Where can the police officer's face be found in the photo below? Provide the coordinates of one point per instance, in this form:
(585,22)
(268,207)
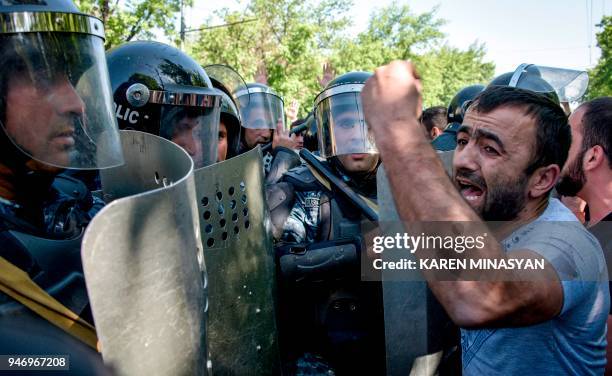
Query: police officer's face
(187,134)
(299,140)
(41,117)
(349,135)
(254,137)
(257,118)
(222,146)
(359,162)
(492,154)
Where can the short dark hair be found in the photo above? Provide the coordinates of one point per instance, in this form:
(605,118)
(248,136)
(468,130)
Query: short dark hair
(434,117)
(597,125)
(553,133)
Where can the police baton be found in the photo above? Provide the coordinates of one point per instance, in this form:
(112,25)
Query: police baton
(295,130)
(339,184)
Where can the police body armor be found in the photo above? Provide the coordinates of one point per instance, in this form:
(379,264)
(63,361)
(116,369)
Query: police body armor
(144,265)
(324,297)
(52,260)
(235,231)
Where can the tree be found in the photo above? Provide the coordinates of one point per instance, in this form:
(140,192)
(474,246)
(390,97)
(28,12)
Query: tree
(394,32)
(131,19)
(446,70)
(601,76)
(290,40)
(284,46)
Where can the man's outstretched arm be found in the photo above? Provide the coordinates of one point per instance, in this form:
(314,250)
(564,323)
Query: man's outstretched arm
(423,192)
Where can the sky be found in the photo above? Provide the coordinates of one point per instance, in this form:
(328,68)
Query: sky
(545,32)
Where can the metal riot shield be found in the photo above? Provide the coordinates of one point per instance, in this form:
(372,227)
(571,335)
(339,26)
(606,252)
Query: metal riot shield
(144,265)
(417,330)
(236,235)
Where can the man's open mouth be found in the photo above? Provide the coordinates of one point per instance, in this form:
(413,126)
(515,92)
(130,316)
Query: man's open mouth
(470,190)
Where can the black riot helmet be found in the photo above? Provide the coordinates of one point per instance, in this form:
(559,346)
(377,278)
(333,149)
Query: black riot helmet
(558,84)
(459,103)
(55,101)
(158,89)
(338,112)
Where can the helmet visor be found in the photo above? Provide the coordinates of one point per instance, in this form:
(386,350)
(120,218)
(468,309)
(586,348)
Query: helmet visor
(569,85)
(195,129)
(228,77)
(341,126)
(263,111)
(56,103)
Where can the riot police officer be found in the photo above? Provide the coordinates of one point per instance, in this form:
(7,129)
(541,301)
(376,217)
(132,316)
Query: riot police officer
(158,89)
(227,80)
(329,311)
(55,114)
(263,122)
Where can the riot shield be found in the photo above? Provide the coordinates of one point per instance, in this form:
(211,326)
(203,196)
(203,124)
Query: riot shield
(417,330)
(235,232)
(144,265)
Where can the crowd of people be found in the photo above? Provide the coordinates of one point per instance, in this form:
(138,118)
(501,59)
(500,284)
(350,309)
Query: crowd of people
(518,158)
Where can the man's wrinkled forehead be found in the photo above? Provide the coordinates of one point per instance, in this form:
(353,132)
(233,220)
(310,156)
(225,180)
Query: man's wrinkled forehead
(507,125)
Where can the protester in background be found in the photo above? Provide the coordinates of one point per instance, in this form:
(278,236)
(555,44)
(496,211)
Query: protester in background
(587,175)
(456,108)
(434,121)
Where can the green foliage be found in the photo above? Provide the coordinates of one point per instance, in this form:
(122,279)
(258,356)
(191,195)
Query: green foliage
(601,76)
(285,43)
(446,70)
(396,33)
(284,47)
(131,19)
(393,33)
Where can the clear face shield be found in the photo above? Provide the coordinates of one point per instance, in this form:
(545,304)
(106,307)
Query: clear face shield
(569,85)
(231,80)
(262,109)
(190,118)
(228,81)
(341,124)
(56,102)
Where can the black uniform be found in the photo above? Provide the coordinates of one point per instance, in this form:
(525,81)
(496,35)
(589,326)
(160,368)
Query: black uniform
(43,238)
(326,309)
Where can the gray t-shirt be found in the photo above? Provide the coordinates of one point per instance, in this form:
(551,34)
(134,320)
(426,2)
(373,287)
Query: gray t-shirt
(572,343)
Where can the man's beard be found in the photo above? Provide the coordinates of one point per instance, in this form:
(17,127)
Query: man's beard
(503,200)
(506,201)
(574,180)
